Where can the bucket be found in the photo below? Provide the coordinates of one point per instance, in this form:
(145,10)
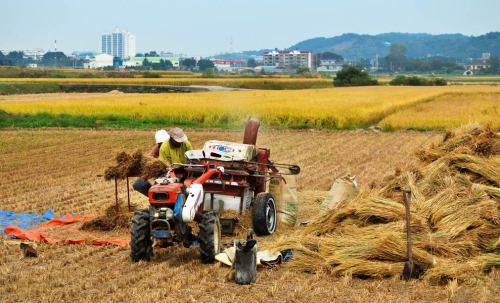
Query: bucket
(245,261)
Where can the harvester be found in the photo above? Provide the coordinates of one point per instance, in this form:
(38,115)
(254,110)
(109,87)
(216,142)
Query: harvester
(220,176)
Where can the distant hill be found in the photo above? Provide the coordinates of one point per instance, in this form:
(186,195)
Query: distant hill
(355,46)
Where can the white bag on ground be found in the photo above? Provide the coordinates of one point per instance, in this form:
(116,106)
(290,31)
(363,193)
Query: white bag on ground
(344,188)
(264,258)
(285,196)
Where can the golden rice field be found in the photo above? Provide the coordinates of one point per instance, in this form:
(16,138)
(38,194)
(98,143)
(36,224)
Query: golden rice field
(56,169)
(448,110)
(177,80)
(335,108)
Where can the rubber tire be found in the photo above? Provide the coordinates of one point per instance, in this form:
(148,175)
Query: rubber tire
(210,236)
(264,215)
(141,248)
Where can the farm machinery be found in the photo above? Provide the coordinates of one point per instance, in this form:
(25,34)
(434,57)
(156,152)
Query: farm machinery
(220,176)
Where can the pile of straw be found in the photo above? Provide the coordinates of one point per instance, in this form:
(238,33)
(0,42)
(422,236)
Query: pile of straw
(110,220)
(135,165)
(455,217)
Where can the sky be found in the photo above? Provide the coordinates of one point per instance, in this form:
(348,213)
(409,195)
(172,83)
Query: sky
(211,27)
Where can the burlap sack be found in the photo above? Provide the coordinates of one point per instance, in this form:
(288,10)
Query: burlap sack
(344,188)
(285,196)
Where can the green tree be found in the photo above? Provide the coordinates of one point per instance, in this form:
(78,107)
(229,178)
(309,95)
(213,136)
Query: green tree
(251,62)
(436,64)
(145,62)
(353,76)
(162,65)
(304,71)
(396,59)
(151,54)
(331,56)
(327,56)
(56,59)
(424,67)
(117,61)
(204,64)
(168,64)
(494,68)
(364,63)
(188,63)
(417,81)
(17,57)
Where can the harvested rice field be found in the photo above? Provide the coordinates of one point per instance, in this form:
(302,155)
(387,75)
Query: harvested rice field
(352,254)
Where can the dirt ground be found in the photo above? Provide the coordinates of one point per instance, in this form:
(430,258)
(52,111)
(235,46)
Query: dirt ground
(57,169)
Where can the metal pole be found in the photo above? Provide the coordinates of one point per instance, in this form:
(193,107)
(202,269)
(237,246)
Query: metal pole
(128,195)
(407,198)
(116,196)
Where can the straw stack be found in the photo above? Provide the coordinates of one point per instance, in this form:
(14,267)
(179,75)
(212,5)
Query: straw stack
(135,165)
(455,217)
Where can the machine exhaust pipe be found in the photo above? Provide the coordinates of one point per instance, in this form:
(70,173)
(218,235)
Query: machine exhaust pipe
(251,130)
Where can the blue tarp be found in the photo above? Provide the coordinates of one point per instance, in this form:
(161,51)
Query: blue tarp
(23,221)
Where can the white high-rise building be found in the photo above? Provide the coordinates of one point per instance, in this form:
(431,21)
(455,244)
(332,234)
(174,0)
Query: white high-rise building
(119,44)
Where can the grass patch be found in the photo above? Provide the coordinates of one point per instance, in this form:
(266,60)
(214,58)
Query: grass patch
(8,120)
(29,88)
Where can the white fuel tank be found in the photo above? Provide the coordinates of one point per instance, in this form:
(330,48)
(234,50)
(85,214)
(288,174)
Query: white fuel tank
(242,151)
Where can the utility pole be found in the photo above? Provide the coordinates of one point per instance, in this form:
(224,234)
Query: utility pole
(55,53)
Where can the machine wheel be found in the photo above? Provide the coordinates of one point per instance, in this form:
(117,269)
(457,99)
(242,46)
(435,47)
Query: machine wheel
(209,237)
(264,214)
(141,248)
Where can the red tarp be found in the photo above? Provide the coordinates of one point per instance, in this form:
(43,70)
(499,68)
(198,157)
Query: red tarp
(38,236)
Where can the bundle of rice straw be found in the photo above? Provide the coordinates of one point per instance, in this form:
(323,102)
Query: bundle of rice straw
(135,165)
(455,217)
(153,169)
(110,220)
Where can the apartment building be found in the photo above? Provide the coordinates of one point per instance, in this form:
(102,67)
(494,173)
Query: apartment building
(289,59)
(119,44)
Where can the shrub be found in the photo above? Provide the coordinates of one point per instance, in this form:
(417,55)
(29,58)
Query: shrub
(353,76)
(59,75)
(399,80)
(151,75)
(91,75)
(209,74)
(417,81)
(440,82)
(123,74)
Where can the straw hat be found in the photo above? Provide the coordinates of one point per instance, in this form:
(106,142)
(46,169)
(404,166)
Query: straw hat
(178,135)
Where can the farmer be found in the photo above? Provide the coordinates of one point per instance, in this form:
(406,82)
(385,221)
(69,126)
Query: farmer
(177,146)
(142,185)
(160,137)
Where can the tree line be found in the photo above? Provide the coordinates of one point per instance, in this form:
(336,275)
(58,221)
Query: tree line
(59,59)
(395,61)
